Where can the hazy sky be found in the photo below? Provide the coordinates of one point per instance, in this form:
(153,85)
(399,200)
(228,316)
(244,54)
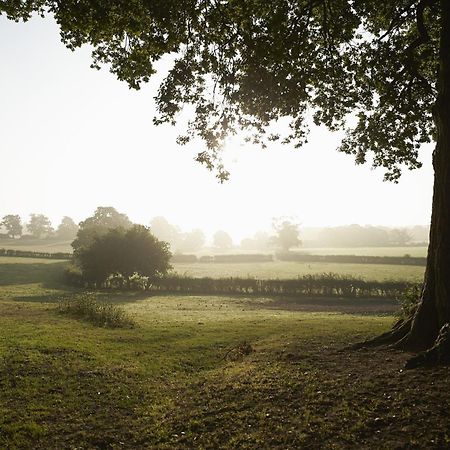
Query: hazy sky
(73,138)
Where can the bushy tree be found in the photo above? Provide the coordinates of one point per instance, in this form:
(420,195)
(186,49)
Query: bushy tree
(67,229)
(13,225)
(287,235)
(400,236)
(126,252)
(222,240)
(39,226)
(261,241)
(192,241)
(165,231)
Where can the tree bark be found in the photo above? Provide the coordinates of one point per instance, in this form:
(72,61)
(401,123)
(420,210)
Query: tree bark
(433,311)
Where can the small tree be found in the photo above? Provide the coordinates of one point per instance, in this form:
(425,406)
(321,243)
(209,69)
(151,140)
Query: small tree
(192,241)
(39,226)
(165,231)
(399,236)
(13,225)
(287,235)
(222,240)
(125,252)
(67,229)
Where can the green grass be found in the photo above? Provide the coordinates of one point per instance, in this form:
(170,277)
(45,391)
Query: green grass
(284,269)
(178,379)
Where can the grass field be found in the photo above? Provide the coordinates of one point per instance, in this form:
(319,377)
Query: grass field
(37,245)
(285,269)
(205,372)
(367,251)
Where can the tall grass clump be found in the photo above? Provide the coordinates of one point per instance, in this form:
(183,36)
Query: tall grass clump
(100,313)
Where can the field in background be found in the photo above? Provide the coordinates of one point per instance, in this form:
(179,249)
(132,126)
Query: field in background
(37,245)
(365,251)
(284,269)
(205,372)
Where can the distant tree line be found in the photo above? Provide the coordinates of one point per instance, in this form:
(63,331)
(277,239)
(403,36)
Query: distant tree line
(286,234)
(38,226)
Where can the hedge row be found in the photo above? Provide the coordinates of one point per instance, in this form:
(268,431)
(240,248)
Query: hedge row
(325,285)
(353,259)
(310,285)
(29,254)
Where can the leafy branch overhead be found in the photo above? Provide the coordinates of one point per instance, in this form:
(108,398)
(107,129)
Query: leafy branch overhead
(243,64)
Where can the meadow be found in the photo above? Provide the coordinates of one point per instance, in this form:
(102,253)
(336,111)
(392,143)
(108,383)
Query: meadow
(366,251)
(205,372)
(287,269)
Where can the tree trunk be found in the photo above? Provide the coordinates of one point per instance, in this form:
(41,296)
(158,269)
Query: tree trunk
(433,313)
(434,308)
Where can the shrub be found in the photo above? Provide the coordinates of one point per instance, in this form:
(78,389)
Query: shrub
(409,300)
(73,276)
(123,251)
(103,314)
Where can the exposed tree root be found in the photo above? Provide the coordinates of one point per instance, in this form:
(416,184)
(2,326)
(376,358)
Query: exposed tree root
(439,354)
(398,332)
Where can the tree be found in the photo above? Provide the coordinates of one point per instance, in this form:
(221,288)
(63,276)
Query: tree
(399,236)
(126,252)
(39,226)
(222,240)
(244,63)
(192,241)
(104,219)
(287,235)
(67,229)
(260,242)
(165,231)
(13,225)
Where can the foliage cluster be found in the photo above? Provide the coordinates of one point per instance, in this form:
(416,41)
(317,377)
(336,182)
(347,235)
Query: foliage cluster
(180,242)
(122,251)
(101,313)
(409,300)
(287,235)
(38,227)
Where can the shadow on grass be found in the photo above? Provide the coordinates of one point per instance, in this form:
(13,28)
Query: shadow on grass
(364,306)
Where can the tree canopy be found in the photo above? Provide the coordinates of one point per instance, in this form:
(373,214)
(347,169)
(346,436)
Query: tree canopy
(67,229)
(13,225)
(104,219)
(125,252)
(287,235)
(39,226)
(364,65)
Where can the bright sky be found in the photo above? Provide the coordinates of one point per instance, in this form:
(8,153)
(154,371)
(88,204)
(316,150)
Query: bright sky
(73,138)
